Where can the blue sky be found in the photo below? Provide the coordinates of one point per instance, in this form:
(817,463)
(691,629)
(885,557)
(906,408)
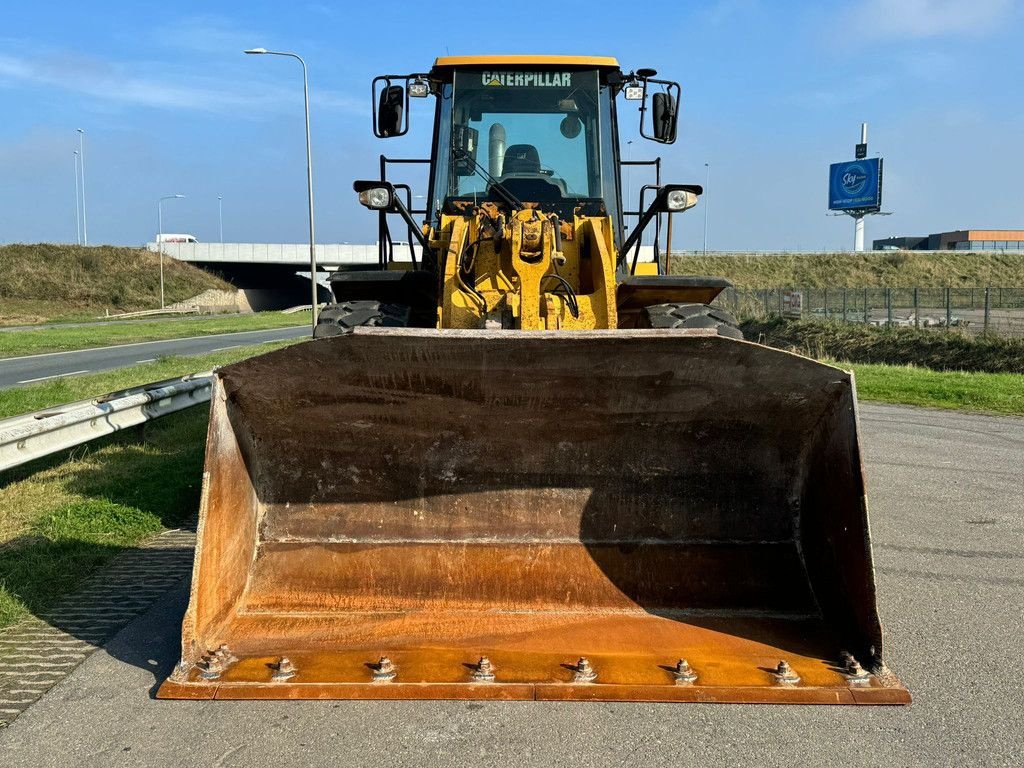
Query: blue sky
(772,93)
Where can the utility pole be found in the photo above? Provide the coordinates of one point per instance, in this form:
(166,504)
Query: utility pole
(81,153)
(78,210)
(160,238)
(220,216)
(309,173)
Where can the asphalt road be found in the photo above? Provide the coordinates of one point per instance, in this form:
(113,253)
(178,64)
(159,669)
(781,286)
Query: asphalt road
(19,371)
(948,527)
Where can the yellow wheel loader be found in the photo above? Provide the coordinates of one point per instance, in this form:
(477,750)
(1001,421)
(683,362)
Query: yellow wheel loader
(520,460)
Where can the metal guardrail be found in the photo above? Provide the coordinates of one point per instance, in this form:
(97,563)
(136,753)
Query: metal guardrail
(35,435)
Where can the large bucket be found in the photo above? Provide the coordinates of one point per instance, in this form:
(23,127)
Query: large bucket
(646,515)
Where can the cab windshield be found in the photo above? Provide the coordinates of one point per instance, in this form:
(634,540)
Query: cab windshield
(535,135)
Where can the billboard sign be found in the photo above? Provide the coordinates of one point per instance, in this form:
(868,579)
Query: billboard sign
(855,186)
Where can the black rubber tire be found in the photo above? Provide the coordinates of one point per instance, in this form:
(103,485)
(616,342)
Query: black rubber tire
(693,316)
(336,319)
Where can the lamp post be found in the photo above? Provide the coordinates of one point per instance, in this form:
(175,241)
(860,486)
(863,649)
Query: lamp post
(78,210)
(220,216)
(707,185)
(309,172)
(81,158)
(160,238)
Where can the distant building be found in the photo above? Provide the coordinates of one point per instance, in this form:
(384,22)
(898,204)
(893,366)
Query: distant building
(961,240)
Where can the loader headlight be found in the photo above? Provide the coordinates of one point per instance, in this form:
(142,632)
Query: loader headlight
(376,198)
(376,195)
(419,89)
(680,200)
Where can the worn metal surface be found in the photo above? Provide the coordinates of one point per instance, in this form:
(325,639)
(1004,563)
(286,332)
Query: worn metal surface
(630,497)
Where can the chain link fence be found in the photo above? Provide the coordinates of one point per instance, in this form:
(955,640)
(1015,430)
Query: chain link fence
(974,311)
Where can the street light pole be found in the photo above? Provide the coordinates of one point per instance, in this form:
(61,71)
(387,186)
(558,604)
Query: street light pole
(309,173)
(78,211)
(81,152)
(160,238)
(220,216)
(707,204)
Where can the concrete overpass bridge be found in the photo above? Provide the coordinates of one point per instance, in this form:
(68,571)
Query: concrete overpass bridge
(276,274)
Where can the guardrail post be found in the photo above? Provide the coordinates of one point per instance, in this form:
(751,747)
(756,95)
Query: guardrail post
(866,308)
(888,306)
(917,304)
(949,306)
(844,305)
(825,301)
(988,308)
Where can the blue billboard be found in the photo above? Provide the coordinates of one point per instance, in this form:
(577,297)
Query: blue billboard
(856,185)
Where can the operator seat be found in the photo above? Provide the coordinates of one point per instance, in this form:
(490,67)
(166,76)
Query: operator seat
(523,177)
(522,159)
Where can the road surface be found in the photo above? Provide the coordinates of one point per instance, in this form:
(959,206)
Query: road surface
(948,527)
(19,371)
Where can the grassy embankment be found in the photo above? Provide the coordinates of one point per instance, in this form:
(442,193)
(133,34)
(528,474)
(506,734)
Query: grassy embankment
(899,365)
(872,269)
(913,367)
(62,518)
(57,339)
(53,283)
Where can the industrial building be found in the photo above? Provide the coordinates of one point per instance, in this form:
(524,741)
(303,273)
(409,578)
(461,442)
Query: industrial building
(961,240)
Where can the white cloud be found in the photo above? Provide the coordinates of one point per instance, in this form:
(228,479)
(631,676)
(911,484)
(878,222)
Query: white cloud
(928,18)
(159,86)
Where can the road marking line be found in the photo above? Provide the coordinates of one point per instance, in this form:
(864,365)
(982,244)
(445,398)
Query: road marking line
(305,328)
(55,376)
(221,349)
(147,360)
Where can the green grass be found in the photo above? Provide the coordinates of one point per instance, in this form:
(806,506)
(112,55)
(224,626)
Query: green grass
(62,521)
(19,400)
(1001,393)
(891,269)
(37,341)
(46,282)
(860,343)
(64,517)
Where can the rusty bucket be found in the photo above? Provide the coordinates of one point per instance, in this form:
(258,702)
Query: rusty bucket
(649,515)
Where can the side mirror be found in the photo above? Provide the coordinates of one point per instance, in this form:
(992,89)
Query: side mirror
(664,114)
(390,112)
(664,106)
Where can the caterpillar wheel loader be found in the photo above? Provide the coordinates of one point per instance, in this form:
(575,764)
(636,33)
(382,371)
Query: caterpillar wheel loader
(520,460)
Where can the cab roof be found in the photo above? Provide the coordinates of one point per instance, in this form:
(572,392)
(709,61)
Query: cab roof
(599,62)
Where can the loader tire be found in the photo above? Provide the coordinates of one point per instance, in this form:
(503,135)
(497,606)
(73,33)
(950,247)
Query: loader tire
(337,319)
(693,316)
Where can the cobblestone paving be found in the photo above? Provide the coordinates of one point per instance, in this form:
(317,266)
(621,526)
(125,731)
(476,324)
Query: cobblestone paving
(37,653)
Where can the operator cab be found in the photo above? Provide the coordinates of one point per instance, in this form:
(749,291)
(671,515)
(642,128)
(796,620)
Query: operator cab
(526,131)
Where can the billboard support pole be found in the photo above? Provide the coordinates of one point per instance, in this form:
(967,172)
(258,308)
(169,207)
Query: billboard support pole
(858,220)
